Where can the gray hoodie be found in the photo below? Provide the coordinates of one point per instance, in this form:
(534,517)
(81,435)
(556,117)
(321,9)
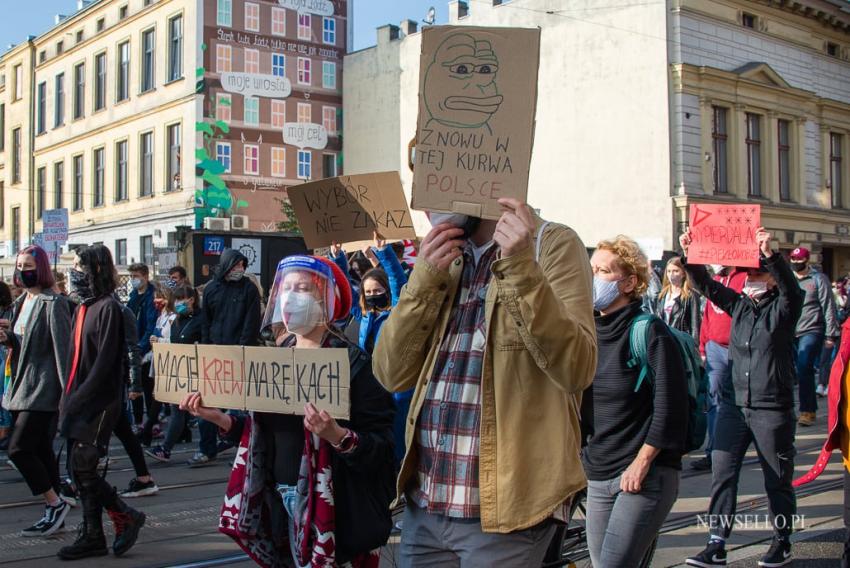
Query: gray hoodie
(819,306)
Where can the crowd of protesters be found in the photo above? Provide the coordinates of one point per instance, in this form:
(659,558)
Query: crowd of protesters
(455,360)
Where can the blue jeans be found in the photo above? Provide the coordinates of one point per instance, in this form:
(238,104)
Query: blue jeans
(719,372)
(208,444)
(809,347)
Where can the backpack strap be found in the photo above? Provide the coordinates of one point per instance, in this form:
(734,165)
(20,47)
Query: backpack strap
(538,240)
(638,348)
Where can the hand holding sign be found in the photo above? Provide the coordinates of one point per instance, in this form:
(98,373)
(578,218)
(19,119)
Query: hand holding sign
(441,246)
(724,234)
(323,425)
(194,405)
(514,229)
(763,239)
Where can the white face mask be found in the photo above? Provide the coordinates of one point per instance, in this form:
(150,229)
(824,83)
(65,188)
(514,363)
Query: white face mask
(301,312)
(235,275)
(717,268)
(455,219)
(755,290)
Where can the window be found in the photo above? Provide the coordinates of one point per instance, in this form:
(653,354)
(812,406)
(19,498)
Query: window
(304,25)
(252,17)
(101,23)
(121,171)
(252,111)
(148,60)
(305,159)
(59,102)
(58,182)
(16,228)
(78,183)
(42,56)
(224,13)
(122,12)
(836,183)
(41,108)
(223,58)
(19,82)
(148,2)
(329,74)
(329,31)
(123,84)
(40,190)
(719,135)
(278,65)
(79,90)
(2,203)
(223,105)
(60,47)
(252,159)
(99,81)
(98,186)
(222,155)
(173,166)
(784,147)
(121,252)
(278,113)
(832,49)
(146,249)
(278,162)
(304,113)
(79,36)
(175,48)
(753,155)
(146,164)
(304,65)
(2,137)
(278,21)
(16,155)
(329,165)
(748,20)
(329,120)
(252,61)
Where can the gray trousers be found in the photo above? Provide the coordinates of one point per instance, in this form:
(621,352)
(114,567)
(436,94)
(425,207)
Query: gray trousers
(773,433)
(621,526)
(435,540)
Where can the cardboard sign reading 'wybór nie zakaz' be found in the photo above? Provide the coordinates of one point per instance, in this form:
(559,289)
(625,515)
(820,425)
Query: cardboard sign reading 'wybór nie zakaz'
(725,234)
(475,130)
(265,379)
(351,208)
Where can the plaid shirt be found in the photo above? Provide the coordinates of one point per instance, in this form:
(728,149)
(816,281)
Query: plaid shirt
(447,435)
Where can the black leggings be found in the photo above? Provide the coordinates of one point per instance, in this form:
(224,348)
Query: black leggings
(124,432)
(143,404)
(31,449)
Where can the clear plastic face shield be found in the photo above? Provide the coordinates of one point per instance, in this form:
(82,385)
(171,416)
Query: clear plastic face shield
(301,297)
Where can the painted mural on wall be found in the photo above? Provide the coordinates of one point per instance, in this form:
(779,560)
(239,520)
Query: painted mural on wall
(271,81)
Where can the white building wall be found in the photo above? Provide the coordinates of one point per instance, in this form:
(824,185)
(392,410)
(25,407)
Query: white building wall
(601,137)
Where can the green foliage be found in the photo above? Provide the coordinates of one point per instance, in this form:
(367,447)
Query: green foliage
(290,222)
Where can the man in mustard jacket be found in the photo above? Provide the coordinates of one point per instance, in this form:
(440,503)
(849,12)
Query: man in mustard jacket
(496,335)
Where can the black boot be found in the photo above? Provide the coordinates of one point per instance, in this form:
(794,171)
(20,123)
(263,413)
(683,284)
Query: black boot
(90,539)
(845,558)
(127,522)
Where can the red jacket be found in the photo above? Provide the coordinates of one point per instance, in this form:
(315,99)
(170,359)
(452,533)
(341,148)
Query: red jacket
(717,324)
(834,394)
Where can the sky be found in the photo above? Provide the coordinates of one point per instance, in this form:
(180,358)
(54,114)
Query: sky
(22,21)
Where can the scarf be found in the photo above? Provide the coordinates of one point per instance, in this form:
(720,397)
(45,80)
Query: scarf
(251,504)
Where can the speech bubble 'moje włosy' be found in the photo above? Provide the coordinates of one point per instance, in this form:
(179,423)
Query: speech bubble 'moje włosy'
(318,7)
(256,85)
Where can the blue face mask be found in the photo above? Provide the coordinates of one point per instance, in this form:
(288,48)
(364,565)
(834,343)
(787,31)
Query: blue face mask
(181,309)
(604,292)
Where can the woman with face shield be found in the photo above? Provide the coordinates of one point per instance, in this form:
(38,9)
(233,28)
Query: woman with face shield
(633,457)
(312,490)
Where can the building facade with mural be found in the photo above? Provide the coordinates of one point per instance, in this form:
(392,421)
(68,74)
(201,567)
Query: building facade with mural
(120,114)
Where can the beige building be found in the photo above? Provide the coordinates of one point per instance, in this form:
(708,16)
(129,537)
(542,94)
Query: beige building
(628,96)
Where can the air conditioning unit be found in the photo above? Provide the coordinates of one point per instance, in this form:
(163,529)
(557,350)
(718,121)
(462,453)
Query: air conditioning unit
(239,222)
(216,224)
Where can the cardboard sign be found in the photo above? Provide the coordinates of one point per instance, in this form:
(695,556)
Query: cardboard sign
(263,379)
(350,208)
(725,234)
(475,130)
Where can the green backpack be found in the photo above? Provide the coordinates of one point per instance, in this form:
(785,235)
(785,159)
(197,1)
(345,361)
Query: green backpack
(694,373)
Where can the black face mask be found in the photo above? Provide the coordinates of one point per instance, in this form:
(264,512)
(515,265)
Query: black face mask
(470,226)
(28,278)
(81,285)
(378,301)
(798,266)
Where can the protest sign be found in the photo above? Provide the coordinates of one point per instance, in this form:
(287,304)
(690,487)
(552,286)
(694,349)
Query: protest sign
(264,379)
(724,234)
(652,247)
(55,226)
(475,130)
(351,208)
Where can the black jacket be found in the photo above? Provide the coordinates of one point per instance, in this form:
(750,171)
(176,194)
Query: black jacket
(364,479)
(187,329)
(231,309)
(89,407)
(761,343)
(686,314)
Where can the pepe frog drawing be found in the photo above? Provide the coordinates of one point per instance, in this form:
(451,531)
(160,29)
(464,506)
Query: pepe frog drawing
(460,83)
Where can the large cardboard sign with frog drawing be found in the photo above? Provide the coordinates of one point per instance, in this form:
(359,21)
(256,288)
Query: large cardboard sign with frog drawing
(475,131)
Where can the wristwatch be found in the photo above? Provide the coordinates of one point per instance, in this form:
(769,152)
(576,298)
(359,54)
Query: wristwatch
(347,442)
